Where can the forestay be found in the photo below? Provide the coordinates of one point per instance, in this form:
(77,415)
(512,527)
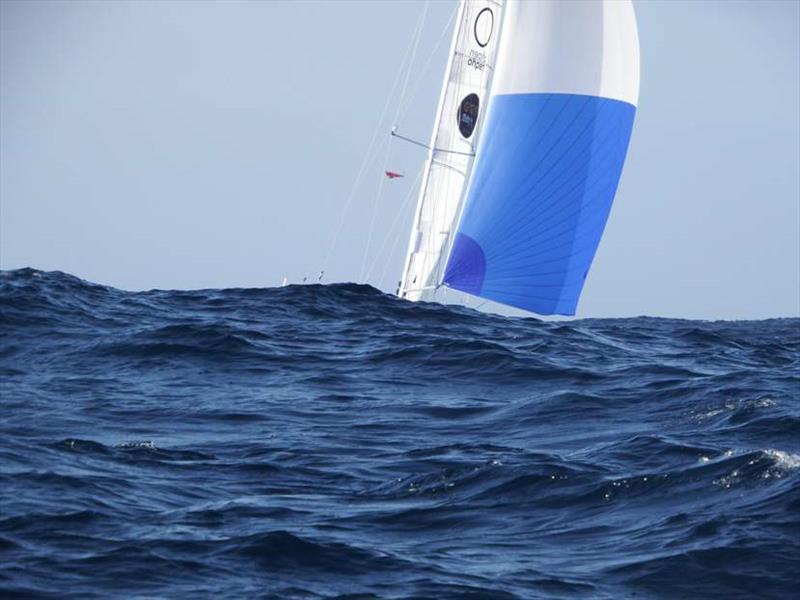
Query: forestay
(452,146)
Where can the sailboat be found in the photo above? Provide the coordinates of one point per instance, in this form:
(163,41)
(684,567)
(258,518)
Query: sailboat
(528,144)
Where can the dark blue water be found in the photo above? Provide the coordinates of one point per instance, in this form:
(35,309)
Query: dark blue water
(324,441)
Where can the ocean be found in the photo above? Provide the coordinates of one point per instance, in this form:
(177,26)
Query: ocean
(331,441)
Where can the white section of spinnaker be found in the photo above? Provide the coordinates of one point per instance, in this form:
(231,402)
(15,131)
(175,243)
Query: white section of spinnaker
(405,67)
(450,154)
(588,48)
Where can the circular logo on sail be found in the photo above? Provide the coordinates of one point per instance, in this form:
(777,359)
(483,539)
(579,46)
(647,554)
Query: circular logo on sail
(484,23)
(468,115)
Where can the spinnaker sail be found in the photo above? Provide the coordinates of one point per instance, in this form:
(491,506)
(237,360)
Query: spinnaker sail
(551,151)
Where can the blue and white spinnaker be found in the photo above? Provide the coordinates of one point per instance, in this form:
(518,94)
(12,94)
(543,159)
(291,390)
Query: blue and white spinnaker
(549,156)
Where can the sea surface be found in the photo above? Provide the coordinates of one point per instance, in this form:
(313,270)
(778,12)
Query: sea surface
(332,441)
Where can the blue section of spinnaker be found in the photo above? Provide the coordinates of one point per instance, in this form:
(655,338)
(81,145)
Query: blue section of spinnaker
(544,179)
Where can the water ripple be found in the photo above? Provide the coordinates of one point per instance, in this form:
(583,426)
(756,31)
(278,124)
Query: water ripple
(332,441)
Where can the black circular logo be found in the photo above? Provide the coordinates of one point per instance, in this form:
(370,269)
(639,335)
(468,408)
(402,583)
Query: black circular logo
(484,23)
(468,115)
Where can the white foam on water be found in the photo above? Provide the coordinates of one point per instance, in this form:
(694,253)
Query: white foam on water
(730,405)
(137,444)
(784,460)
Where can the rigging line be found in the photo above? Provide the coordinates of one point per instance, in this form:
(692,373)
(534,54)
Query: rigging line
(420,27)
(417,37)
(393,227)
(374,213)
(397,238)
(368,153)
(427,65)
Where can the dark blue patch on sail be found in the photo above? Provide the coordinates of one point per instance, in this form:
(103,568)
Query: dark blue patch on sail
(467,265)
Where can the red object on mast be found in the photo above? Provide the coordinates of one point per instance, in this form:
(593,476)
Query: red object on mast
(393,175)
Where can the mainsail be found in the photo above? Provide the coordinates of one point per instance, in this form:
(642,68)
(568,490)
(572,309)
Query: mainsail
(552,147)
(452,146)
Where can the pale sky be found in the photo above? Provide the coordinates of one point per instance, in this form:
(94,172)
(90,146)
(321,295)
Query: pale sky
(200,144)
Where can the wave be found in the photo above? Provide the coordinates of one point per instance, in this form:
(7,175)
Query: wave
(335,441)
